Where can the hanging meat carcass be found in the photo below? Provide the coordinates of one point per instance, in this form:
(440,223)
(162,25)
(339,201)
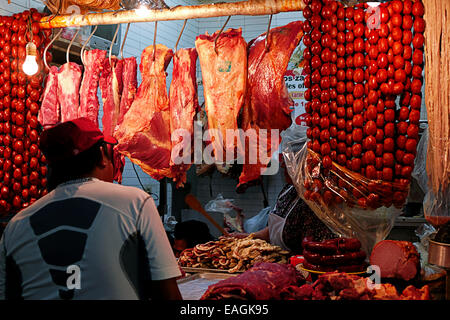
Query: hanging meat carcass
(183,107)
(49,113)
(69,80)
(268,104)
(223,61)
(89,104)
(144,135)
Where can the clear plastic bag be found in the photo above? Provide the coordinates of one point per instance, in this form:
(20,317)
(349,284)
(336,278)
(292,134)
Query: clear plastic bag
(348,203)
(257,222)
(234,222)
(436,207)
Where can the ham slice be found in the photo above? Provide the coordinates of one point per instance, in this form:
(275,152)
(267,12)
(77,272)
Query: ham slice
(396,259)
(89,104)
(69,80)
(111,86)
(49,111)
(268,104)
(144,135)
(183,107)
(224,81)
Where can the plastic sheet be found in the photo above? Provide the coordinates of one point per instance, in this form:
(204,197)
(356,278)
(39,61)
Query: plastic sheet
(348,203)
(436,207)
(226,207)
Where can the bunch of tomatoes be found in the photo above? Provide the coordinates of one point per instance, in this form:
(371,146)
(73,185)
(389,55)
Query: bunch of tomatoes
(364,95)
(23,167)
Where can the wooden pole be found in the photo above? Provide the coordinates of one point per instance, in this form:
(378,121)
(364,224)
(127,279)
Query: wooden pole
(250,7)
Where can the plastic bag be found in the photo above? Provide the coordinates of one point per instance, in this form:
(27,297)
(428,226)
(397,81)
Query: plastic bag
(226,207)
(348,203)
(257,222)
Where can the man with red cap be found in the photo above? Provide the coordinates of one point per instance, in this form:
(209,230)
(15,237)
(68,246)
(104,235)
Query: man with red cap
(88,238)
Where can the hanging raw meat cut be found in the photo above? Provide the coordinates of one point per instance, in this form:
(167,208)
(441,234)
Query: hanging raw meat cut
(224,73)
(129,78)
(144,135)
(268,104)
(93,64)
(69,80)
(49,111)
(111,86)
(183,107)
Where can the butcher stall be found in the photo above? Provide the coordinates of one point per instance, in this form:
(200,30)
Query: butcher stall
(370,126)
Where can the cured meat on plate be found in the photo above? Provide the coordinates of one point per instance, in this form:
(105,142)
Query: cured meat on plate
(268,104)
(183,107)
(144,135)
(49,113)
(89,104)
(69,80)
(223,62)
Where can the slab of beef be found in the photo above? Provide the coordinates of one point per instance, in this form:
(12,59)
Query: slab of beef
(144,135)
(264,281)
(69,80)
(111,87)
(49,113)
(224,73)
(93,64)
(183,102)
(396,259)
(268,104)
(129,80)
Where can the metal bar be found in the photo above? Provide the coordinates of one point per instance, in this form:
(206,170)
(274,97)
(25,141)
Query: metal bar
(250,8)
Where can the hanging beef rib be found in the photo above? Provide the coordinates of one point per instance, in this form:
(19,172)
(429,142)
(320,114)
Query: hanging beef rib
(49,111)
(183,107)
(268,104)
(69,79)
(89,105)
(224,73)
(144,135)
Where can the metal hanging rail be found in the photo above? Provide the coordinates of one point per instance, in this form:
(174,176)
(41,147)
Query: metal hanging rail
(250,8)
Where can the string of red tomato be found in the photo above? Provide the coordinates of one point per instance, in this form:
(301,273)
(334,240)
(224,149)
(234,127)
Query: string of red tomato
(22,165)
(364,92)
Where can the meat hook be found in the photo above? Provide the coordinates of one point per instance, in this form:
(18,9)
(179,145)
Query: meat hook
(179,36)
(268,34)
(217,37)
(154,40)
(112,43)
(124,39)
(48,45)
(87,41)
(70,44)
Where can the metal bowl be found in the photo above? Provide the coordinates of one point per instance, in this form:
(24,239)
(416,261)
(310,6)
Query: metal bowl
(439,254)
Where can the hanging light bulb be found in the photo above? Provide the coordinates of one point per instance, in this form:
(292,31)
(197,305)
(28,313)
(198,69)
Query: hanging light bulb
(30,66)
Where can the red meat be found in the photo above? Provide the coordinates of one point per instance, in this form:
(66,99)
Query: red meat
(264,281)
(49,111)
(69,80)
(111,86)
(144,135)
(224,76)
(89,105)
(396,259)
(183,107)
(268,104)
(129,78)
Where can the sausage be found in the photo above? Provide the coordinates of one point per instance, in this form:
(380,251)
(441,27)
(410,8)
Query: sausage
(349,269)
(315,267)
(344,258)
(349,244)
(326,246)
(353,268)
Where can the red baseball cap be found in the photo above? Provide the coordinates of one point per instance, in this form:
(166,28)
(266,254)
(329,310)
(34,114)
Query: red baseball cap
(70,138)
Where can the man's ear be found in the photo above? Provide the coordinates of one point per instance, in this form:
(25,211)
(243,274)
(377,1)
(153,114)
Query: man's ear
(104,162)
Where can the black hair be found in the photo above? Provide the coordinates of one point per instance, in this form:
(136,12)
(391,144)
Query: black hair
(193,231)
(78,166)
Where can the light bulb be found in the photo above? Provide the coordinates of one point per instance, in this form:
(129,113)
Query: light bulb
(373,4)
(142,10)
(30,66)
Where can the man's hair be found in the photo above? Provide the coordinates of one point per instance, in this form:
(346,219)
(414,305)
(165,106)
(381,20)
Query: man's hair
(77,166)
(193,231)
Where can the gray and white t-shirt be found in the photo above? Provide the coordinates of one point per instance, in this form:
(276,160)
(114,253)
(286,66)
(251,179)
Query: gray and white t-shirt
(86,240)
